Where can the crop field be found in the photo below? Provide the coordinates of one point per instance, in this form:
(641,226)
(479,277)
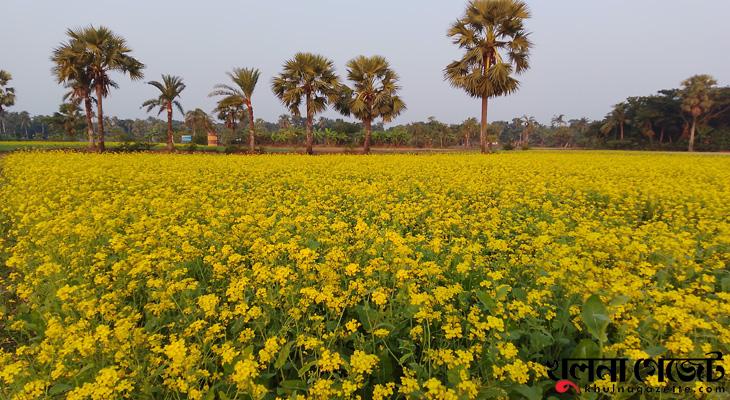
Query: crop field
(7,146)
(450,276)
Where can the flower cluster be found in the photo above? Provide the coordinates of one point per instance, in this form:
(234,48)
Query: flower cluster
(388,277)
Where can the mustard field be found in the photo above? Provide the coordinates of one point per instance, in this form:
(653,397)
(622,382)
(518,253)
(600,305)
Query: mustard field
(155,276)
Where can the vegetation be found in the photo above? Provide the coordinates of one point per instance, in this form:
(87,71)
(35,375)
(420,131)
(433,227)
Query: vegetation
(495,45)
(239,95)
(616,120)
(198,121)
(697,101)
(308,78)
(68,118)
(334,277)
(373,95)
(7,96)
(654,122)
(98,52)
(450,276)
(69,69)
(496,49)
(170,89)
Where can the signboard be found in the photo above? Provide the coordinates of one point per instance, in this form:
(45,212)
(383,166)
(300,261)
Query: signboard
(187,138)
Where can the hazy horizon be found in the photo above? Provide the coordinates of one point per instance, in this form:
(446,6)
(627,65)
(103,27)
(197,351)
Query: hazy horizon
(587,55)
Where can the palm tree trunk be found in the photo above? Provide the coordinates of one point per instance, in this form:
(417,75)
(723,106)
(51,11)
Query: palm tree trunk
(170,144)
(251,129)
(368,134)
(100,115)
(692,131)
(621,129)
(483,129)
(89,122)
(310,116)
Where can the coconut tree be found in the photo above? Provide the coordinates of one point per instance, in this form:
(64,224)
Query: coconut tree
(70,70)
(170,89)
(616,119)
(244,83)
(496,46)
(7,95)
(100,52)
(310,78)
(373,93)
(696,95)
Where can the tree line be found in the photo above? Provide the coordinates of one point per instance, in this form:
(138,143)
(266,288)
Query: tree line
(496,49)
(647,122)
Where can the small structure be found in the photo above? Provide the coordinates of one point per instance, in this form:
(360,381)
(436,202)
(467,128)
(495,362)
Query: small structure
(212,139)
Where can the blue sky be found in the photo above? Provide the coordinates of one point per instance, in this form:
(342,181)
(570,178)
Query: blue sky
(588,55)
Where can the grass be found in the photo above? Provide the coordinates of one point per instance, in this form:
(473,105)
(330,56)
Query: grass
(9,146)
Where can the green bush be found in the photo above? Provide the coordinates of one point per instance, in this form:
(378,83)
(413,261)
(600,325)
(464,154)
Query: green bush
(133,147)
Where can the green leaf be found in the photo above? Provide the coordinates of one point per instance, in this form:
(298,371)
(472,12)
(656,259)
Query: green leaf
(453,377)
(619,300)
(486,300)
(59,388)
(529,392)
(294,385)
(595,317)
(222,395)
(491,393)
(303,370)
(366,316)
(502,291)
(405,358)
(283,355)
(386,368)
(725,284)
(655,351)
(540,340)
(586,349)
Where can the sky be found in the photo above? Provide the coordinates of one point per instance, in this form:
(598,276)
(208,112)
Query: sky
(587,55)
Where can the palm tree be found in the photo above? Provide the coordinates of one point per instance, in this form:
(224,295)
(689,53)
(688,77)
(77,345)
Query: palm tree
(229,110)
(100,51)
(528,126)
(70,70)
(697,101)
(373,94)
(309,77)
(495,44)
(7,95)
(68,118)
(468,128)
(24,122)
(170,89)
(198,120)
(617,118)
(245,80)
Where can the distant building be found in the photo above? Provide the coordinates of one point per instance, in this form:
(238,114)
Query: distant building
(212,139)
